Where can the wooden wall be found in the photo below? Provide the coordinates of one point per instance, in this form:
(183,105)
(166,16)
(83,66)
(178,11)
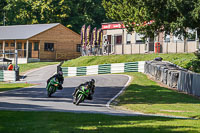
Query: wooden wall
(65,43)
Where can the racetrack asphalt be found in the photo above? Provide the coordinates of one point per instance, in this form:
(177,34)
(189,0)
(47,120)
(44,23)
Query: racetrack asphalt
(35,98)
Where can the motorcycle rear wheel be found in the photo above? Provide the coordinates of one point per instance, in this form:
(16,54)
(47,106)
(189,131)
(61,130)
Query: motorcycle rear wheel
(50,91)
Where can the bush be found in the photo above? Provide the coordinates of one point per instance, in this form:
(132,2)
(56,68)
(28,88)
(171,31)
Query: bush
(197,54)
(194,65)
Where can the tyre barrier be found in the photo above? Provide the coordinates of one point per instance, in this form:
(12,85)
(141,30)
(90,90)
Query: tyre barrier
(165,72)
(189,82)
(174,76)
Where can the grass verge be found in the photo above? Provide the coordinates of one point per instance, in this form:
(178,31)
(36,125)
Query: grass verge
(180,59)
(58,122)
(25,67)
(145,95)
(12,86)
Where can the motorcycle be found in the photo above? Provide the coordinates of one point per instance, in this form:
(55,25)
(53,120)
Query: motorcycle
(81,95)
(52,87)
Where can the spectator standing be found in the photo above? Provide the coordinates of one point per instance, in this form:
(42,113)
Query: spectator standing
(10,67)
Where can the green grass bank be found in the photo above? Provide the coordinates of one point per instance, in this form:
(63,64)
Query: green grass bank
(180,59)
(58,122)
(12,86)
(147,96)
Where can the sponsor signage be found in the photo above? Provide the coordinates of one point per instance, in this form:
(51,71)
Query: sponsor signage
(121,26)
(82,34)
(112,26)
(87,37)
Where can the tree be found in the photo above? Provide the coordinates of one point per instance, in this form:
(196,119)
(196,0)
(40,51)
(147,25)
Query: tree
(73,13)
(196,16)
(169,16)
(2,5)
(89,12)
(36,11)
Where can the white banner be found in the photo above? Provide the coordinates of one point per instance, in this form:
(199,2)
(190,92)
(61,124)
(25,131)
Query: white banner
(9,76)
(117,68)
(72,71)
(92,70)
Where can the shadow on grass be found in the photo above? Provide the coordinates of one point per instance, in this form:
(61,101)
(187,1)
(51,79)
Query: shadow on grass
(153,94)
(13,121)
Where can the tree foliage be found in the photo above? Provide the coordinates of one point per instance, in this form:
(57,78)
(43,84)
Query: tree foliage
(72,13)
(171,16)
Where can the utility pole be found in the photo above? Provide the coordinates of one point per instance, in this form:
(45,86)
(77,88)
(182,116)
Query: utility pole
(4,19)
(197,40)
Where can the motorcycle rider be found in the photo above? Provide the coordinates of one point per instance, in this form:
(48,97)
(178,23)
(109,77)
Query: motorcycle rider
(90,85)
(57,77)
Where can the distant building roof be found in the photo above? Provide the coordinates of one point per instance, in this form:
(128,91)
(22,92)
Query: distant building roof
(17,32)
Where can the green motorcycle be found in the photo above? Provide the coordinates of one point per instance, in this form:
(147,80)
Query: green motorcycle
(81,95)
(52,87)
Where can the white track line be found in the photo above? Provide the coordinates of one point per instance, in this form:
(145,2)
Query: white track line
(127,83)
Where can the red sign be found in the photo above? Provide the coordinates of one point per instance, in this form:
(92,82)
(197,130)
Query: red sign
(112,26)
(120,25)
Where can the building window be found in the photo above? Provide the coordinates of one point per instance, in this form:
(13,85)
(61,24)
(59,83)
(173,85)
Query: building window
(12,45)
(36,46)
(1,46)
(139,38)
(78,48)
(128,38)
(24,45)
(19,45)
(6,45)
(118,39)
(49,47)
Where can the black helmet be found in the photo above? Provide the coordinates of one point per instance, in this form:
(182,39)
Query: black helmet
(87,83)
(92,81)
(60,73)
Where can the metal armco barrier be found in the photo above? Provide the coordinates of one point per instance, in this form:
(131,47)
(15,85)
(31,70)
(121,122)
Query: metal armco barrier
(104,69)
(1,75)
(81,71)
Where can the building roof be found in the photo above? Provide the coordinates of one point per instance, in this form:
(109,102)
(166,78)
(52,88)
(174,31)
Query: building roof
(22,32)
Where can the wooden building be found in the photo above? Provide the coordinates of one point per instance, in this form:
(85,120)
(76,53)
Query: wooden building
(39,42)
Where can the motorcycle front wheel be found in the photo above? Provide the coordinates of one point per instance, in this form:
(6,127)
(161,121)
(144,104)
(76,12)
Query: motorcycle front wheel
(79,99)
